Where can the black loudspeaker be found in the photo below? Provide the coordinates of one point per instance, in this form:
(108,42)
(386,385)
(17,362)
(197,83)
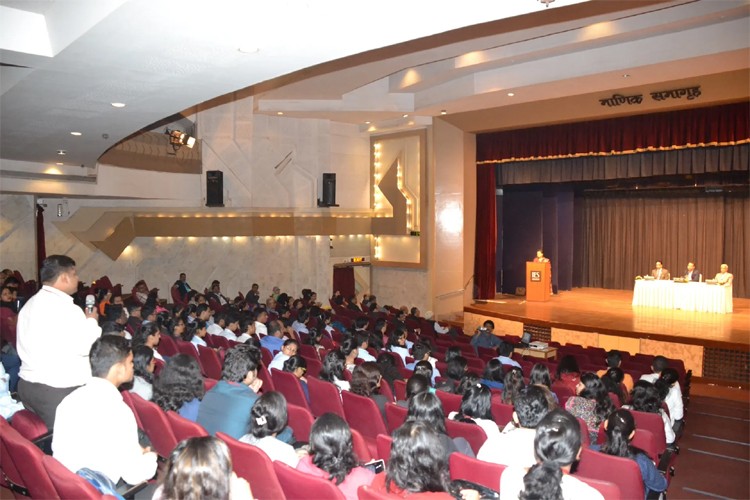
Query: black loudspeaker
(214,188)
(329,191)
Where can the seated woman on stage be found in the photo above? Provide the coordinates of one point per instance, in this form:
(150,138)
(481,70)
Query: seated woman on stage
(591,403)
(724,277)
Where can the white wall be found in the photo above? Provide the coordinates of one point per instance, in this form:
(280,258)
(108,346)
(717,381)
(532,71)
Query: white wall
(17,234)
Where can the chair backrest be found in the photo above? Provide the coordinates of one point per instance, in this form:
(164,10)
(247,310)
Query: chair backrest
(314,365)
(209,383)
(210,362)
(27,462)
(585,436)
(252,464)
(324,397)
(268,384)
(653,423)
(308,351)
(385,390)
(168,346)
(184,428)
(266,356)
(156,426)
(289,385)
(609,490)
(68,484)
(399,387)
(360,447)
(646,441)
(624,472)
(28,424)
(474,434)
(477,471)
(127,397)
(501,413)
(189,349)
(363,414)
(299,485)
(395,416)
(383,444)
(300,420)
(367,493)
(451,402)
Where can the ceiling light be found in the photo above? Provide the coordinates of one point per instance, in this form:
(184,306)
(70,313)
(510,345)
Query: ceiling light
(367,123)
(443,112)
(177,139)
(59,163)
(279,113)
(626,75)
(546,2)
(118,104)
(511,94)
(76,134)
(406,115)
(62,152)
(248,49)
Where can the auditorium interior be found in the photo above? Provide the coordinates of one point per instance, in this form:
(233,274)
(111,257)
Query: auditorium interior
(424,151)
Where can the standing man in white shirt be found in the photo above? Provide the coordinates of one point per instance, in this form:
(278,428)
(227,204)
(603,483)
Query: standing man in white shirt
(94,427)
(54,339)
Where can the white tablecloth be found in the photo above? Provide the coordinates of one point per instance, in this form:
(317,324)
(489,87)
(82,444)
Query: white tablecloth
(691,296)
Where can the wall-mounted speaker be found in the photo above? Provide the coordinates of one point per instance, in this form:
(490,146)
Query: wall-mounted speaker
(214,188)
(329,191)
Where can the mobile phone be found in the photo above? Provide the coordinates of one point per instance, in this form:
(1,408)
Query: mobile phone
(376,466)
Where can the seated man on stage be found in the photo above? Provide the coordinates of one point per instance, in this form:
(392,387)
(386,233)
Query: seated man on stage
(724,277)
(691,273)
(660,272)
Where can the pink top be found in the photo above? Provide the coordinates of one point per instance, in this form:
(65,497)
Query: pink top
(357,477)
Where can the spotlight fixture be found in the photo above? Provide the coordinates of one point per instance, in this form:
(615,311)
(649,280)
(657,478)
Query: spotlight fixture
(177,139)
(546,2)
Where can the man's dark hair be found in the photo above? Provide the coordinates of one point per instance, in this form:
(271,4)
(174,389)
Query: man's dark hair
(505,349)
(614,358)
(53,266)
(147,311)
(362,337)
(659,364)
(274,328)
(489,323)
(106,352)
(531,407)
(361,323)
(258,312)
(238,361)
(201,309)
(111,328)
(289,342)
(420,350)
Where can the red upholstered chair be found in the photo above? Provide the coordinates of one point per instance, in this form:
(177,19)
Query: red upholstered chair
(253,465)
(10,477)
(367,493)
(266,356)
(399,387)
(314,366)
(395,416)
(268,384)
(27,463)
(501,413)
(176,297)
(646,441)
(217,341)
(189,349)
(623,472)
(289,385)
(127,397)
(474,434)
(324,397)
(210,362)
(299,485)
(209,383)
(68,484)
(653,423)
(451,402)
(29,424)
(168,346)
(184,428)
(363,415)
(383,444)
(158,365)
(156,426)
(477,471)
(360,447)
(609,490)
(308,351)
(385,390)
(300,420)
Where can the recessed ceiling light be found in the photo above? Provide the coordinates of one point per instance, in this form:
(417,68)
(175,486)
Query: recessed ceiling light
(626,75)
(76,134)
(279,113)
(367,123)
(59,163)
(62,152)
(406,115)
(248,49)
(511,94)
(443,112)
(118,104)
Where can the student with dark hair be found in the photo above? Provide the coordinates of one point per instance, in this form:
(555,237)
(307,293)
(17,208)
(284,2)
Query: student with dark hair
(53,340)
(424,368)
(388,369)
(452,352)
(247,328)
(150,336)
(426,407)
(332,456)
(366,380)
(614,360)
(363,342)
(514,384)
(143,372)
(557,445)
(179,386)
(269,418)
(421,353)
(201,467)
(494,374)
(333,369)
(288,349)
(467,381)
(612,380)
(350,351)
(484,336)
(195,333)
(591,403)
(417,384)
(568,373)
(620,429)
(297,366)
(94,428)
(540,377)
(515,446)
(300,324)
(504,353)
(397,343)
(455,370)
(645,397)
(669,391)
(476,407)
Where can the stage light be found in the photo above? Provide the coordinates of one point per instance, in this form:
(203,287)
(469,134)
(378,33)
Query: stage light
(178,138)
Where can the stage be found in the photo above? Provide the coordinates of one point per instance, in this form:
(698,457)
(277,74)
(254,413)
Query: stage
(717,344)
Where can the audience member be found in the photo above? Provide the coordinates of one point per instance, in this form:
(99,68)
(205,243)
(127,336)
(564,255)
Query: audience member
(274,341)
(476,407)
(143,372)
(614,360)
(388,369)
(179,386)
(349,350)
(288,349)
(484,336)
(298,366)
(540,377)
(150,336)
(195,333)
(363,342)
(269,418)
(366,380)
(247,329)
(425,369)
(504,353)
(591,403)
(568,373)
(645,397)
(426,407)
(613,383)
(397,343)
(54,340)
(94,428)
(494,374)
(514,384)
(333,370)
(417,384)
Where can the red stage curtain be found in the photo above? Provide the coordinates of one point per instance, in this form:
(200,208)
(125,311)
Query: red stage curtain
(486,231)
(714,126)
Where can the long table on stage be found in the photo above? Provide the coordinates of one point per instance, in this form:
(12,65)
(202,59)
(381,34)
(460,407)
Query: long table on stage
(692,296)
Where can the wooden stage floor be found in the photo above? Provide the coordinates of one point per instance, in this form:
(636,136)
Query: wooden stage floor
(610,312)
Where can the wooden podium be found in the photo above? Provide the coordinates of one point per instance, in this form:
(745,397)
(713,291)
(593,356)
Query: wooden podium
(538,281)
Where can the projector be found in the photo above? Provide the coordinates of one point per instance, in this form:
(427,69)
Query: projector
(538,345)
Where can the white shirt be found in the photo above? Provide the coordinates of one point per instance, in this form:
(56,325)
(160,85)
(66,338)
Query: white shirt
(54,339)
(278,361)
(300,327)
(8,405)
(673,399)
(401,351)
(488,426)
(94,428)
(142,388)
(512,448)
(511,484)
(196,341)
(276,450)
(363,354)
(260,328)
(214,329)
(228,334)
